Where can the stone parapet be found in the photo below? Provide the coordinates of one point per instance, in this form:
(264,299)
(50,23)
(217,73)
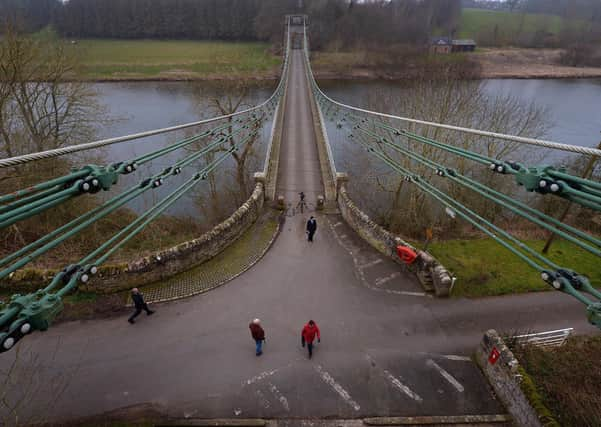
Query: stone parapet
(501,368)
(431,274)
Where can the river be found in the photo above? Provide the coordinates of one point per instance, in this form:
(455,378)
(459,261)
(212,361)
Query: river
(572,112)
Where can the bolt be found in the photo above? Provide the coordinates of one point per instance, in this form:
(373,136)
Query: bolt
(25,328)
(544,276)
(492,166)
(93,269)
(555,187)
(8,343)
(542,183)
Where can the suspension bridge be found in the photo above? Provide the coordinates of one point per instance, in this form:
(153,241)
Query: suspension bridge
(389,347)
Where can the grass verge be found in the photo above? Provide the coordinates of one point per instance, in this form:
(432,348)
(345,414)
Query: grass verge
(484,268)
(565,381)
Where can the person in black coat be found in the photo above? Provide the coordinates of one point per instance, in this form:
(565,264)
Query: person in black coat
(311,228)
(140,305)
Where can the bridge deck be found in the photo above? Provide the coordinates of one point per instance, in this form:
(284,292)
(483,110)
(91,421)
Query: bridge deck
(384,348)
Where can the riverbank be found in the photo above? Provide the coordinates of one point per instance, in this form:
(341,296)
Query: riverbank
(498,63)
(186,60)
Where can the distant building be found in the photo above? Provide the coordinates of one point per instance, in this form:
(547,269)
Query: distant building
(448,45)
(465,45)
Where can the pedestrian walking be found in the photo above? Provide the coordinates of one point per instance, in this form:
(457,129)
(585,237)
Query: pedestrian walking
(140,305)
(258,335)
(310,330)
(311,228)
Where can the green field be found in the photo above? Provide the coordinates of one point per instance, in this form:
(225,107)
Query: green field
(181,59)
(476,21)
(485,268)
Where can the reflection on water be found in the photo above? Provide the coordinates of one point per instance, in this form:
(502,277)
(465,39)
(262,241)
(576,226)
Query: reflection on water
(140,106)
(574,105)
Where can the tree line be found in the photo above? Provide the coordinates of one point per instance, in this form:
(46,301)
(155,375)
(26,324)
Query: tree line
(340,22)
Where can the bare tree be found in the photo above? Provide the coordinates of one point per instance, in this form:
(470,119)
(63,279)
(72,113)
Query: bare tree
(401,206)
(41,107)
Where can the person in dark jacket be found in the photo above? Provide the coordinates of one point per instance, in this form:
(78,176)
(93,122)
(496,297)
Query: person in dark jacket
(311,228)
(308,334)
(140,305)
(258,335)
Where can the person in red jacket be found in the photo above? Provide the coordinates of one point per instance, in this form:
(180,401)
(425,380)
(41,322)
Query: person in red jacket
(258,335)
(310,330)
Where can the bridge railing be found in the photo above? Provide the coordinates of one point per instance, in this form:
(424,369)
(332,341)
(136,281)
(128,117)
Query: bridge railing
(555,338)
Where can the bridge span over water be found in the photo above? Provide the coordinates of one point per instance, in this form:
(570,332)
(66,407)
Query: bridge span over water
(389,347)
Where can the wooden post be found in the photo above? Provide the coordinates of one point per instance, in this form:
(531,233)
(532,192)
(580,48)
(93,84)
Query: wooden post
(588,170)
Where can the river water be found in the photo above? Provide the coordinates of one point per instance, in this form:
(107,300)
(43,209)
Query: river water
(134,107)
(572,112)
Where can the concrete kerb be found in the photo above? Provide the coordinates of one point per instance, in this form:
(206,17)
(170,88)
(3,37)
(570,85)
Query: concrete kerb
(501,369)
(326,161)
(380,421)
(431,274)
(270,170)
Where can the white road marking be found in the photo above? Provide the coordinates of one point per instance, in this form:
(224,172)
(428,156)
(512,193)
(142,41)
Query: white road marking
(446,375)
(402,387)
(381,280)
(411,294)
(262,399)
(329,380)
(351,249)
(338,224)
(279,396)
(396,382)
(261,376)
(457,358)
(371,264)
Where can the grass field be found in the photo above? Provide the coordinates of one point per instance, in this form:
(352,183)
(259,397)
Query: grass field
(173,59)
(476,21)
(484,268)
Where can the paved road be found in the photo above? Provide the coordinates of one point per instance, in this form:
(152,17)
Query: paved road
(387,349)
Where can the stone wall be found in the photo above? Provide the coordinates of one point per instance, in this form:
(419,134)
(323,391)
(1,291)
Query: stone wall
(431,274)
(505,380)
(160,265)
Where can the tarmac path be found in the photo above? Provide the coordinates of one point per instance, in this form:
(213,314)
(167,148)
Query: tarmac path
(387,349)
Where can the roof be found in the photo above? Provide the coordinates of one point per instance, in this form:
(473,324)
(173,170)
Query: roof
(441,41)
(464,42)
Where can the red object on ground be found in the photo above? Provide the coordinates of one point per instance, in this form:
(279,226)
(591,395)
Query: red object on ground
(406,254)
(494,356)
(309,332)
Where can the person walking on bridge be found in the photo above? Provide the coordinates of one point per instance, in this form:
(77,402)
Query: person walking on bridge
(258,335)
(139,304)
(311,228)
(310,330)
